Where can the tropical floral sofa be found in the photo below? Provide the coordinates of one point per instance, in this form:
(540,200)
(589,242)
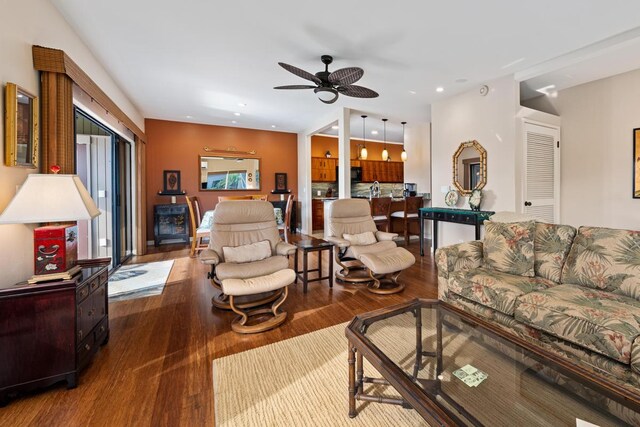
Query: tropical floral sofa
(573,292)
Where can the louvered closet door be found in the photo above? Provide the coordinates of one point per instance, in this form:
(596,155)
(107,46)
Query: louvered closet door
(542,172)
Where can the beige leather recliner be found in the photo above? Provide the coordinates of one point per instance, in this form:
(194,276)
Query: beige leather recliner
(251,278)
(380,259)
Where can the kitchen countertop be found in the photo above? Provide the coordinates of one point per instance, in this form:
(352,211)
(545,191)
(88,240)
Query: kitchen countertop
(394,199)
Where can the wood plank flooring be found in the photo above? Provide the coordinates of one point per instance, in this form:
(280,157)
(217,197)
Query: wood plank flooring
(156,369)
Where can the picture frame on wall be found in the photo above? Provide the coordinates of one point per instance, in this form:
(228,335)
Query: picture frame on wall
(21,127)
(281,181)
(636,163)
(171,180)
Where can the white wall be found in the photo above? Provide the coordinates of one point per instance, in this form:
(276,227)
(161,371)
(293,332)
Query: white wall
(491,120)
(37,22)
(598,119)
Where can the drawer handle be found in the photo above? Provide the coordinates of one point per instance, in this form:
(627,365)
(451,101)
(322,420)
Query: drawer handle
(102,328)
(80,334)
(91,312)
(87,347)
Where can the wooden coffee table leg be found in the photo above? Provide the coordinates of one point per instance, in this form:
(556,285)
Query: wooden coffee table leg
(352,381)
(331,267)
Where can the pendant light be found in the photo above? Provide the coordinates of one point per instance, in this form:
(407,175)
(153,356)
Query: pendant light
(363,152)
(403,155)
(385,153)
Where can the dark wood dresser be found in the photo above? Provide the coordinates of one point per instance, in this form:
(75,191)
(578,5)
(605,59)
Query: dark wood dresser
(50,331)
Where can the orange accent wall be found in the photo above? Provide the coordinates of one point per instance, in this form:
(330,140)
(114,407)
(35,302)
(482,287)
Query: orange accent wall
(320,144)
(177,145)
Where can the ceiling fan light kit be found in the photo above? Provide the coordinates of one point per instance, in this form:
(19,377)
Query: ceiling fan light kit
(329,85)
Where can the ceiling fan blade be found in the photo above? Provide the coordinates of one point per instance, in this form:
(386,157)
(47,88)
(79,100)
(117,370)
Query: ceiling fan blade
(346,76)
(357,91)
(300,73)
(295,87)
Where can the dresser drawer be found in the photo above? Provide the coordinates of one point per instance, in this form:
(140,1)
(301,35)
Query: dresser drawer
(439,215)
(104,277)
(101,331)
(85,350)
(82,292)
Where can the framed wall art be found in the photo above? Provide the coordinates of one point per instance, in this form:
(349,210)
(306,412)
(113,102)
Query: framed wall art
(281,182)
(636,163)
(171,180)
(21,127)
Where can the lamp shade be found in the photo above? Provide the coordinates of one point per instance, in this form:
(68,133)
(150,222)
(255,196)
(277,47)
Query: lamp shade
(50,198)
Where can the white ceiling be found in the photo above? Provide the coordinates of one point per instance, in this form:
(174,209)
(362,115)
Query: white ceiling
(197,60)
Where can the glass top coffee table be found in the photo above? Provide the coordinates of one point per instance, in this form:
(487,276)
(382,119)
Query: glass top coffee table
(455,369)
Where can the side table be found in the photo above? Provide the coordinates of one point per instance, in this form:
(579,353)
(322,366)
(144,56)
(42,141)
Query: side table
(312,245)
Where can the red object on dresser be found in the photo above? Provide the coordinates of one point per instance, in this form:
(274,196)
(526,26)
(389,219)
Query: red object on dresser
(55,248)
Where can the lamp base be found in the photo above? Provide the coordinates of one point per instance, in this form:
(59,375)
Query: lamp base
(63,275)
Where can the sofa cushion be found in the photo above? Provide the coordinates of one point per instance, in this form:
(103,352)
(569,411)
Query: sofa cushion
(247,253)
(493,288)
(508,247)
(551,247)
(605,258)
(366,238)
(601,321)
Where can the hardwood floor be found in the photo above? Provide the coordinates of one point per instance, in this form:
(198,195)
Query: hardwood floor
(157,367)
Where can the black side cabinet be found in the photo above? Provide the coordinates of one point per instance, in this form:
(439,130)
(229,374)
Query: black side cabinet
(171,222)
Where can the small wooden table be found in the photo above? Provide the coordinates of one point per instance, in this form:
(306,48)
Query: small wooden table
(458,216)
(312,245)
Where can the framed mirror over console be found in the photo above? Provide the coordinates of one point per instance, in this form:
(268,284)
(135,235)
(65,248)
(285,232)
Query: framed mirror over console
(226,173)
(469,167)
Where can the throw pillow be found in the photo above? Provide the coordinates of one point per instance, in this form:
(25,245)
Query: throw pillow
(247,253)
(508,247)
(366,238)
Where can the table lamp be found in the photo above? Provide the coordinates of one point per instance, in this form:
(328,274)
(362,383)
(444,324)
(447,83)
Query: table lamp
(52,198)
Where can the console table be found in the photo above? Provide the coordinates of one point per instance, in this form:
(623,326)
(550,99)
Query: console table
(458,216)
(50,331)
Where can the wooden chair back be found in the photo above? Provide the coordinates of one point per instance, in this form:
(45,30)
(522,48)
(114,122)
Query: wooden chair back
(380,206)
(287,216)
(194,219)
(247,197)
(412,204)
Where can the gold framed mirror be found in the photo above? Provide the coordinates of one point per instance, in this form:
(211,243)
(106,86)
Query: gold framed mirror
(229,173)
(21,127)
(469,167)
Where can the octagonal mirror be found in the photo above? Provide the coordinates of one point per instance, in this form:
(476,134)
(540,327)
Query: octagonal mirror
(469,167)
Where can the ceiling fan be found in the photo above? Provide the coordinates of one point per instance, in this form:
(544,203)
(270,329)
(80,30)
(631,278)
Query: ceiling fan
(330,85)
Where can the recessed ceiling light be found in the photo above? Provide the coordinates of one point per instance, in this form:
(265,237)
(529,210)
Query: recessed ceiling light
(335,127)
(461,80)
(273,126)
(234,122)
(412,92)
(547,90)
(440,89)
(374,132)
(188,117)
(236,114)
(240,104)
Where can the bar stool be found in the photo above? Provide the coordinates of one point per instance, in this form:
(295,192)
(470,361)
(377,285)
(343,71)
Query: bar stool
(409,214)
(380,211)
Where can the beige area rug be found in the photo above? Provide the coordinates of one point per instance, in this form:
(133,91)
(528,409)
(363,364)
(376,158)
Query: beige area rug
(301,381)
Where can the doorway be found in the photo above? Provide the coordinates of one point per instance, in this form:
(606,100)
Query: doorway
(104,162)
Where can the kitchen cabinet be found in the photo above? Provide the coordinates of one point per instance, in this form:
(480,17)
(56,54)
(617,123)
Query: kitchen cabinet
(317,214)
(323,169)
(381,171)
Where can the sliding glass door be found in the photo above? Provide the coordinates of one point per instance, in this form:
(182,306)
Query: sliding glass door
(104,163)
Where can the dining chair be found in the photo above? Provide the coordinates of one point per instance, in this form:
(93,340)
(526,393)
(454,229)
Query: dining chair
(381,211)
(286,223)
(409,215)
(247,197)
(198,233)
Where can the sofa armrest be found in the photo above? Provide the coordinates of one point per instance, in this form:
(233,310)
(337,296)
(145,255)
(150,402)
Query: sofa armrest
(461,256)
(341,243)
(383,235)
(209,257)
(284,248)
